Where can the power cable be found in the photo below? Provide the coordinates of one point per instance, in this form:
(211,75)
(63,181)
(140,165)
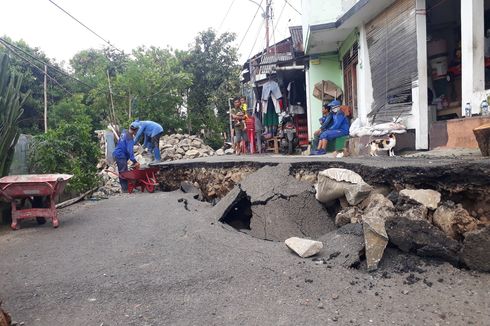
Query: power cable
(279,18)
(226,15)
(256,38)
(88,28)
(6,43)
(288,4)
(250,25)
(40,70)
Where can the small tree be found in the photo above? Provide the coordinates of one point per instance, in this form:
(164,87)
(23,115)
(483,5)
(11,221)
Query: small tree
(11,101)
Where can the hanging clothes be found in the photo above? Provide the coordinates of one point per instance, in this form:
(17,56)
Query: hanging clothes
(270,118)
(271,90)
(296,97)
(271,87)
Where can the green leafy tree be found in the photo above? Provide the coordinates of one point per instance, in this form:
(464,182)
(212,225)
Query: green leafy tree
(212,61)
(153,87)
(33,80)
(11,101)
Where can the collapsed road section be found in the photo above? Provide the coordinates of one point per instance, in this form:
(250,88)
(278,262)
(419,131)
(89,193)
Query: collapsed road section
(439,210)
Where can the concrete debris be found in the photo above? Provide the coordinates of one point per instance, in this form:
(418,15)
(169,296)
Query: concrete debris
(227,203)
(422,238)
(476,249)
(344,246)
(299,215)
(411,209)
(335,183)
(281,206)
(304,247)
(229,151)
(189,187)
(427,197)
(375,238)
(214,183)
(220,152)
(454,221)
(178,146)
(348,215)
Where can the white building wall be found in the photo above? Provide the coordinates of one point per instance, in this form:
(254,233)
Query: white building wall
(472,54)
(365,85)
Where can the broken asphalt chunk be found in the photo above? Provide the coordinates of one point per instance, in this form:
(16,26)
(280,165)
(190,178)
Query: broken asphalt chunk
(335,183)
(375,238)
(427,197)
(304,247)
(344,246)
(476,250)
(422,238)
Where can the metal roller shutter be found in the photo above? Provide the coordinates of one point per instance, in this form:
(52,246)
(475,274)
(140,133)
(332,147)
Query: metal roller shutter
(392,44)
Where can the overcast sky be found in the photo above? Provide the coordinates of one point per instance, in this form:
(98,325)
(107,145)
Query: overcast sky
(128,24)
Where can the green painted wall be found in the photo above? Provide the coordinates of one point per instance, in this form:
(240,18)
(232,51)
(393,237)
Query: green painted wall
(328,69)
(349,42)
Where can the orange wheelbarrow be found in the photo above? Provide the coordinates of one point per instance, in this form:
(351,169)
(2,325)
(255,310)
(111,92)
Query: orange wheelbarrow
(145,179)
(33,187)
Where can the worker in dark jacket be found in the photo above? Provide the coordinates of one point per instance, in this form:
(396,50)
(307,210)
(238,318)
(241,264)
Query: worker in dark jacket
(123,153)
(151,131)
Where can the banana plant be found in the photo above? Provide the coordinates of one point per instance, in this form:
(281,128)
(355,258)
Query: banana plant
(11,101)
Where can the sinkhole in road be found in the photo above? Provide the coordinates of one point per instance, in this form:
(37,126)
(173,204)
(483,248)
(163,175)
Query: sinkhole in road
(240,215)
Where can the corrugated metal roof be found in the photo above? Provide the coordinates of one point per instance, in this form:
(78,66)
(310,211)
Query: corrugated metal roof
(273,59)
(297,38)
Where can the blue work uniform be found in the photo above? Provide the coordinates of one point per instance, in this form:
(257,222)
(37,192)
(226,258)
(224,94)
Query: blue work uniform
(152,132)
(339,127)
(123,153)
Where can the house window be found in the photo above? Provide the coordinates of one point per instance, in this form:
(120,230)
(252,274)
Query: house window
(349,65)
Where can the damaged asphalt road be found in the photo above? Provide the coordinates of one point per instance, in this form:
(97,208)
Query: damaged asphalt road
(143,259)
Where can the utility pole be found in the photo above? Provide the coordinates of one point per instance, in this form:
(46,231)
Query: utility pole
(113,115)
(45,98)
(268,4)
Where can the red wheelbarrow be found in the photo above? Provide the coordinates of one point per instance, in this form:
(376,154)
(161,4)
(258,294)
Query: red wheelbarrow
(32,187)
(144,178)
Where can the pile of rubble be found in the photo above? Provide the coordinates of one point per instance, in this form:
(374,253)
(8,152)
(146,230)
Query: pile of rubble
(353,221)
(212,184)
(183,146)
(172,147)
(414,220)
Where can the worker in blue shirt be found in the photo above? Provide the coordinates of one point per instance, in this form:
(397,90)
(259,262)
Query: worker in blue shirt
(123,153)
(152,132)
(339,127)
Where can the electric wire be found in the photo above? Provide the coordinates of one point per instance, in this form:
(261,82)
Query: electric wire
(226,15)
(279,18)
(250,25)
(40,70)
(88,28)
(290,6)
(256,38)
(6,43)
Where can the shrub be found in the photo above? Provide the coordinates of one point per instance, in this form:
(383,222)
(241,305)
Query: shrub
(69,148)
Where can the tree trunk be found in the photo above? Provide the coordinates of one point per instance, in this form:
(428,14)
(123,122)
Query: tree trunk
(482,135)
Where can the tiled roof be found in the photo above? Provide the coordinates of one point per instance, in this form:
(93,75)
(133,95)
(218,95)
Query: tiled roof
(273,59)
(297,38)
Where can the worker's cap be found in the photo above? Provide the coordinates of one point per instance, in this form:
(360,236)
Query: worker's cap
(333,104)
(135,125)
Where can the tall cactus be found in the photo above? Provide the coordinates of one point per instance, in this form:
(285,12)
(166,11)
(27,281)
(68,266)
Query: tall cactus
(11,101)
